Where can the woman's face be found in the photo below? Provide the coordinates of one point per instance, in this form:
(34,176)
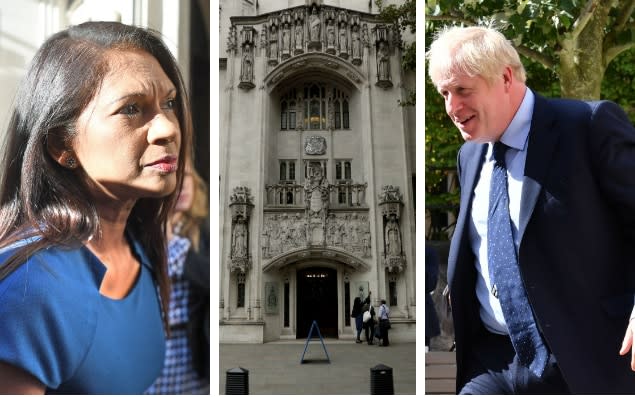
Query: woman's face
(128,137)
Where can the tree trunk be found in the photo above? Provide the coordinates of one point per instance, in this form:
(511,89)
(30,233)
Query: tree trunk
(581,75)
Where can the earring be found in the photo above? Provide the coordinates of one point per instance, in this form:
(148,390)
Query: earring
(71,162)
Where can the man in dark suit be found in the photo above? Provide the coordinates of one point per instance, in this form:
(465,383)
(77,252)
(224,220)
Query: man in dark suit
(550,247)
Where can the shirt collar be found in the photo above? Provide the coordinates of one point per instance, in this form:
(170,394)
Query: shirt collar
(517,132)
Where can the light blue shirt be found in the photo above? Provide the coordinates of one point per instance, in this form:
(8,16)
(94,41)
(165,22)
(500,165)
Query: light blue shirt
(516,137)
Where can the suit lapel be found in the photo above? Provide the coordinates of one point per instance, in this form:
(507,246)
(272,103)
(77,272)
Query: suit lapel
(540,149)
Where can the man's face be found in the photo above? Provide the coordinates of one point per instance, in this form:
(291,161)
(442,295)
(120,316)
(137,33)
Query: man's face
(480,111)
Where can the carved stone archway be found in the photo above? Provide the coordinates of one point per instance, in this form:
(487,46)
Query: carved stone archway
(315,62)
(326,255)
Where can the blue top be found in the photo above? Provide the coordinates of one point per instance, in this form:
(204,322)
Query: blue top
(56,325)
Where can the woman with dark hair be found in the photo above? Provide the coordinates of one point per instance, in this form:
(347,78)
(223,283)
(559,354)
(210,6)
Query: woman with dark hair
(93,159)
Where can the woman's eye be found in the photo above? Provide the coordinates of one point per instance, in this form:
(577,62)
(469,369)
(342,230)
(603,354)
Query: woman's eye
(170,104)
(129,110)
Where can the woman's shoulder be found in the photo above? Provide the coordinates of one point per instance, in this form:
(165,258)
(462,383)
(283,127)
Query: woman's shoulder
(48,311)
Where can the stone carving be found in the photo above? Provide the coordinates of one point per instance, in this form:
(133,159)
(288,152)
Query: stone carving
(316,188)
(346,231)
(239,248)
(390,193)
(390,202)
(286,42)
(356,46)
(343,41)
(314,26)
(315,145)
(393,237)
(240,206)
(365,38)
(299,41)
(232,39)
(330,38)
(383,66)
(273,45)
(263,38)
(248,62)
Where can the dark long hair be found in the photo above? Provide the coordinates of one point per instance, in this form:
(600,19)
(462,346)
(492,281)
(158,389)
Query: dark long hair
(39,197)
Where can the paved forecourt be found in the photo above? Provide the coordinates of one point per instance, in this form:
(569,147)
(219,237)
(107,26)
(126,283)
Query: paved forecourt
(274,367)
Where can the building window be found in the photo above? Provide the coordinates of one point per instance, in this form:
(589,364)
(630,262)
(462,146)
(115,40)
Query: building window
(342,182)
(342,170)
(287,170)
(292,116)
(313,107)
(314,115)
(240,299)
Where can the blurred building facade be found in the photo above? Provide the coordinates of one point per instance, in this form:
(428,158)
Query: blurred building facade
(316,171)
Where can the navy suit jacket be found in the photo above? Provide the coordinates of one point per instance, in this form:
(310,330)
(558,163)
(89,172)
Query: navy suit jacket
(577,241)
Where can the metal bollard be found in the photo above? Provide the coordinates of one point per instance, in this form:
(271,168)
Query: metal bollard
(381,380)
(237,381)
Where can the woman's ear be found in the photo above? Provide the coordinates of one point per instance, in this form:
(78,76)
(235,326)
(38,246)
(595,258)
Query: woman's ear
(59,150)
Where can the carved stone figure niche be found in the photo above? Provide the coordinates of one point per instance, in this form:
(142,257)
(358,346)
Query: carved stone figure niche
(383,56)
(317,194)
(241,204)
(248,37)
(390,202)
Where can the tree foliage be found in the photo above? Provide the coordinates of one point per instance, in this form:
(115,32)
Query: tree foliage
(403,18)
(577,39)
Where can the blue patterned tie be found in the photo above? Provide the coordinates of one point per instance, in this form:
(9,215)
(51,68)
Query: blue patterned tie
(505,275)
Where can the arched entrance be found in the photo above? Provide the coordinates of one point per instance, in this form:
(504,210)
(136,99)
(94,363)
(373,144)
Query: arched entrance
(316,300)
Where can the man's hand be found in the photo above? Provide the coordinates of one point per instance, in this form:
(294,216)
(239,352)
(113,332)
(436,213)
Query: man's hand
(627,344)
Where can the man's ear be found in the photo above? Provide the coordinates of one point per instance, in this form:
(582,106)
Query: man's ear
(60,151)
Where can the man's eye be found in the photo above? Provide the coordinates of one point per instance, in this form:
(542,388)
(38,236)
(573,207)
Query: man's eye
(129,110)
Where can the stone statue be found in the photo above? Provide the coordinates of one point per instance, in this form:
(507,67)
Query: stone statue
(393,237)
(356,43)
(330,35)
(248,61)
(240,239)
(298,37)
(365,39)
(285,40)
(266,238)
(231,39)
(314,24)
(343,44)
(383,65)
(273,43)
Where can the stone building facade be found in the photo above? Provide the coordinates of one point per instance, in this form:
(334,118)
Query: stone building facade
(316,170)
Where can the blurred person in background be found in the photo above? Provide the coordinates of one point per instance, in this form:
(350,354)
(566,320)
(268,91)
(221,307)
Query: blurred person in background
(186,366)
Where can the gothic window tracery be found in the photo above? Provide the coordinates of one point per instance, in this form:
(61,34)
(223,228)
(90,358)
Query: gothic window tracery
(318,107)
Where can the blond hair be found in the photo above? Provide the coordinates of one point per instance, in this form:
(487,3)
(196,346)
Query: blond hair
(472,51)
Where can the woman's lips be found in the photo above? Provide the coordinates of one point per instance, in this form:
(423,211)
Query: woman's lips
(165,164)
